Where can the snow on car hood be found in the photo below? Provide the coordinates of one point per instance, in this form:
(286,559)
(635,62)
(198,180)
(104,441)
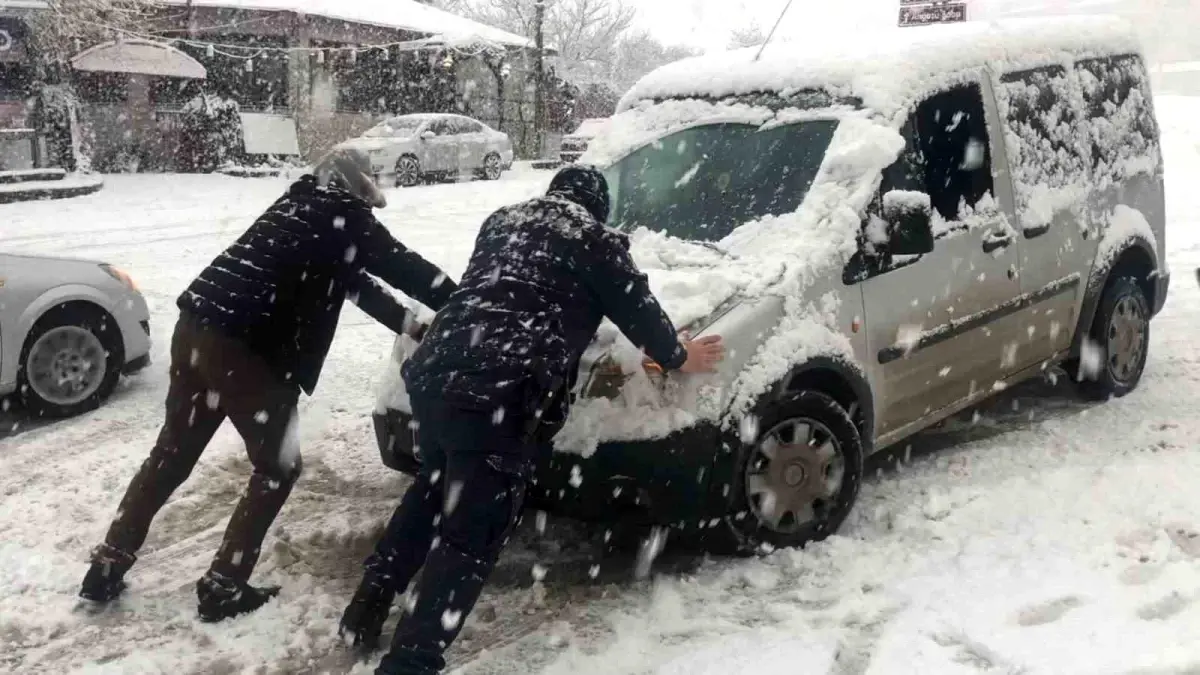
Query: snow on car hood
(782,256)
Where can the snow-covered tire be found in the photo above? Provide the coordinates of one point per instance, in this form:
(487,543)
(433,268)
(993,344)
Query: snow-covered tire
(829,462)
(493,167)
(76,342)
(408,171)
(1114,355)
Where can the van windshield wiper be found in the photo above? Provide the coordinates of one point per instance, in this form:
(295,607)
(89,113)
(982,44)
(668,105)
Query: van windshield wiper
(710,245)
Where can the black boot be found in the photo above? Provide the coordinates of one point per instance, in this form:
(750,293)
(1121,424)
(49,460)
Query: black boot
(444,598)
(367,612)
(224,598)
(104,580)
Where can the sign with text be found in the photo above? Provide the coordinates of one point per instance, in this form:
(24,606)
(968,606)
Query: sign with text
(927,14)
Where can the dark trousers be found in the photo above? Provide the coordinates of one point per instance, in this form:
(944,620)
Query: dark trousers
(453,522)
(214,377)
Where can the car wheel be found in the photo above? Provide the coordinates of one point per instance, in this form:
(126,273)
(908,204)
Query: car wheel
(798,479)
(492,168)
(70,363)
(1114,355)
(408,171)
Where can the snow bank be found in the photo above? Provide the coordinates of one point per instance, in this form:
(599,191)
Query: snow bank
(885,68)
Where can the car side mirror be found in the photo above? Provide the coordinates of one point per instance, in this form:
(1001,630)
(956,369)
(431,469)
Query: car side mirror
(428,135)
(909,218)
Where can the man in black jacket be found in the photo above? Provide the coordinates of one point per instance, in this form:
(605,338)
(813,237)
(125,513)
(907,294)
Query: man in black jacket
(254,330)
(488,387)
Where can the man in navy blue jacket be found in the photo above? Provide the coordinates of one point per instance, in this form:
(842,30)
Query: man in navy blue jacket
(489,386)
(254,330)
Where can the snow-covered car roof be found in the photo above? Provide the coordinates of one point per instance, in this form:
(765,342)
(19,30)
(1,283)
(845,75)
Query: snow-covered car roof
(402,14)
(887,68)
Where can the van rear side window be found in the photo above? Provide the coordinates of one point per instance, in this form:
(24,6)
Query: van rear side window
(1047,145)
(1116,95)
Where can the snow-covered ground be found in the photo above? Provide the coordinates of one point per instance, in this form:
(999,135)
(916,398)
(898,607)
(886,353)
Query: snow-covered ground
(1043,536)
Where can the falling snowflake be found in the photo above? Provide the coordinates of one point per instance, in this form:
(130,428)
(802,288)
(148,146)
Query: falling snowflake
(451,619)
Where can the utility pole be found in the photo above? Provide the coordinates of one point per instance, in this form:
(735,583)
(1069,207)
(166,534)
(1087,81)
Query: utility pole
(539,96)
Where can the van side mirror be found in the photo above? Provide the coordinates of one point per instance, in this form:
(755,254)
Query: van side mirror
(428,135)
(909,218)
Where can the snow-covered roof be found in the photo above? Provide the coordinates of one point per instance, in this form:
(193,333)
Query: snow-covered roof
(885,68)
(401,14)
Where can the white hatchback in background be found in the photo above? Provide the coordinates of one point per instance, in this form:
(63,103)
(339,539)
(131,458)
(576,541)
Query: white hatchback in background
(68,329)
(413,148)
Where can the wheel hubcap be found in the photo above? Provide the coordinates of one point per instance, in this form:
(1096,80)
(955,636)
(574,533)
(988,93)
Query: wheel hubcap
(66,365)
(1126,339)
(408,172)
(492,167)
(795,475)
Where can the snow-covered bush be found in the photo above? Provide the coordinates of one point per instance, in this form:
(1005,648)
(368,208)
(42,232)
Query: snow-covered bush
(210,134)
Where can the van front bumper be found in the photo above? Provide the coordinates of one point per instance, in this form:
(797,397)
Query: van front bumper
(667,481)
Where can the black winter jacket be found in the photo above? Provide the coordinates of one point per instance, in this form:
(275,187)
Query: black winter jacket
(542,277)
(280,287)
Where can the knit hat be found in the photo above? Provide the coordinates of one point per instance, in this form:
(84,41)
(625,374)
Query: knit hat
(586,186)
(351,169)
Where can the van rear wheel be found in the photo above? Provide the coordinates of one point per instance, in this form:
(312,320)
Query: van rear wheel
(1114,356)
(799,478)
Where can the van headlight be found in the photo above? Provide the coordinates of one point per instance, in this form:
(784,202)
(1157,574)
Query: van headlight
(120,275)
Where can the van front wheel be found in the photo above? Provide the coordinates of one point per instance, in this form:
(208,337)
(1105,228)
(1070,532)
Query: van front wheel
(799,478)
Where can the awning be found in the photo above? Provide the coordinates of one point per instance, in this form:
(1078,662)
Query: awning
(138,57)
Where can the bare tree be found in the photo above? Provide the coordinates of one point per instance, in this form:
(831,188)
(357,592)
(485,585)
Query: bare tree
(68,25)
(583,32)
(639,53)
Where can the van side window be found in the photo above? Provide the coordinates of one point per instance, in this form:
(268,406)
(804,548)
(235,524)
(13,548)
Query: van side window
(948,156)
(1117,97)
(1044,136)
(952,139)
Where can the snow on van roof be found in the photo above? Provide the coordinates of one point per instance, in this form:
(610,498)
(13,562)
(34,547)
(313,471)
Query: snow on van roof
(886,68)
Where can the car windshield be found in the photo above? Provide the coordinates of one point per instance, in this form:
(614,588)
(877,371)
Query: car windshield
(702,183)
(398,126)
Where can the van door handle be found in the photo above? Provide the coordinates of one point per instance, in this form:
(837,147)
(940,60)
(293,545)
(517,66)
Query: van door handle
(997,240)
(1036,231)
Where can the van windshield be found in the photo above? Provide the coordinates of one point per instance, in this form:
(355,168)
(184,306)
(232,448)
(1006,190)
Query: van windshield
(702,183)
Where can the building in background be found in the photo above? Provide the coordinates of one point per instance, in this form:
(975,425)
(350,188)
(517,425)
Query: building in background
(304,75)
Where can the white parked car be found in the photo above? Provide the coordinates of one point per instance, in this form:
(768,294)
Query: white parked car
(68,330)
(413,148)
(576,143)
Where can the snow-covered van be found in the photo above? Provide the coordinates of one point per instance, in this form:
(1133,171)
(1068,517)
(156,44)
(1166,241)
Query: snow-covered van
(886,230)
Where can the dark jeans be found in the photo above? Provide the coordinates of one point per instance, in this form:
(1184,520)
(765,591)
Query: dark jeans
(453,522)
(214,377)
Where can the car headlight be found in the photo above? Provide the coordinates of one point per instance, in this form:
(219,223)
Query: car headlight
(120,276)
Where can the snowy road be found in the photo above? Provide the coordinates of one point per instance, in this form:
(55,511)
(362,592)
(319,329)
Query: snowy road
(1046,536)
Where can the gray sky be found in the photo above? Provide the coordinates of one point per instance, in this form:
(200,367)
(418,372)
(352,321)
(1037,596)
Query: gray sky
(702,23)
